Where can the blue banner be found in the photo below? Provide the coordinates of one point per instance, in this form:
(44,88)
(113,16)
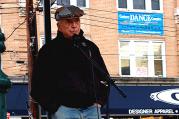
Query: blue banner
(145,100)
(140,23)
(140,100)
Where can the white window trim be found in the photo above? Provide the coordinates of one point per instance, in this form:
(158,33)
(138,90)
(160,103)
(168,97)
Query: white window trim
(147,6)
(151,72)
(72,2)
(22,3)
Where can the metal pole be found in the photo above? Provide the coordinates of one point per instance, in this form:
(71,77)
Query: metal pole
(47,20)
(47,26)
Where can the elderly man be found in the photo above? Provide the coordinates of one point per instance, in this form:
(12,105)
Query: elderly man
(65,82)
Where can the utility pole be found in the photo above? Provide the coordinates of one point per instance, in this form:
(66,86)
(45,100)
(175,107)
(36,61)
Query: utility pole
(32,49)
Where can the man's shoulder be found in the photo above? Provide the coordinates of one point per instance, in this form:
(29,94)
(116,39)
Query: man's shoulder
(50,44)
(91,43)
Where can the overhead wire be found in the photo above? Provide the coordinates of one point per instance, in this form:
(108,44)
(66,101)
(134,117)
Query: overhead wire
(108,18)
(16,29)
(84,24)
(114,27)
(99,21)
(117,24)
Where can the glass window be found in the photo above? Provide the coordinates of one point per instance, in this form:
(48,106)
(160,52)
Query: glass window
(157,48)
(158,67)
(122,3)
(125,61)
(141,53)
(155,5)
(139,4)
(124,48)
(140,58)
(81,3)
(125,66)
(63,2)
(147,5)
(141,66)
(141,49)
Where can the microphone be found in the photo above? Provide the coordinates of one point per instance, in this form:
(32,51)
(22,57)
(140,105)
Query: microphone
(78,41)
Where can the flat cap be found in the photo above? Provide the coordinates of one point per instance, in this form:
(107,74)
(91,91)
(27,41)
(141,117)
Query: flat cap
(68,12)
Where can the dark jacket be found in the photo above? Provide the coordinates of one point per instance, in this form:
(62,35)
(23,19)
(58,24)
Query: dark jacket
(63,75)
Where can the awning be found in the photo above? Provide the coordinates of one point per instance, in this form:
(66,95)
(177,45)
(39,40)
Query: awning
(17,100)
(145,100)
(141,100)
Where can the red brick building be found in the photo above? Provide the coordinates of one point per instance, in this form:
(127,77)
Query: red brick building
(138,39)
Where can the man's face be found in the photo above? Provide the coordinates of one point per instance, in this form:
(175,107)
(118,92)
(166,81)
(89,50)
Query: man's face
(69,27)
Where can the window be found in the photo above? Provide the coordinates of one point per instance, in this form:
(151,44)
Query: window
(158,59)
(155,5)
(142,58)
(63,2)
(141,5)
(122,3)
(125,59)
(79,3)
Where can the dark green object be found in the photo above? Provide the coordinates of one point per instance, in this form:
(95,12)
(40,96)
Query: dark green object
(2,45)
(5,82)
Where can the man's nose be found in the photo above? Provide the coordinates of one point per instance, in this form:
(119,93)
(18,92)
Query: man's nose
(74,24)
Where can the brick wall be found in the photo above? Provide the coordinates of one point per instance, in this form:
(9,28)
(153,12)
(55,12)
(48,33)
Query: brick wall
(16,44)
(99,25)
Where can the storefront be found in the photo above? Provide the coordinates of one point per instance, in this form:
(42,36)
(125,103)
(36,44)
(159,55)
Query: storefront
(17,100)
(141,101)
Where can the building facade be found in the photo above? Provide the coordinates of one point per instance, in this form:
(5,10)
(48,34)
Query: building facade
(138,39)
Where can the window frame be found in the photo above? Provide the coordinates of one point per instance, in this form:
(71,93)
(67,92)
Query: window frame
(72,2)
(132,57)
(148,7)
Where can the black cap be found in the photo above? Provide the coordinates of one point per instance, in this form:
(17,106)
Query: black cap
(68,12)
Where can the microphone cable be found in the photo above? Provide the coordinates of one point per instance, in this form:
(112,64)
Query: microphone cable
(94,84)
(92,70)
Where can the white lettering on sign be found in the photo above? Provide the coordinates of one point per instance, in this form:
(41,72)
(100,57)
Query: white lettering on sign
(163,111)
(140,111)
(152,111)
(138,18)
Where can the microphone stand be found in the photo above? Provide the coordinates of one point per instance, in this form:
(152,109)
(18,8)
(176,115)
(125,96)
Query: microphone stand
(107,77)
